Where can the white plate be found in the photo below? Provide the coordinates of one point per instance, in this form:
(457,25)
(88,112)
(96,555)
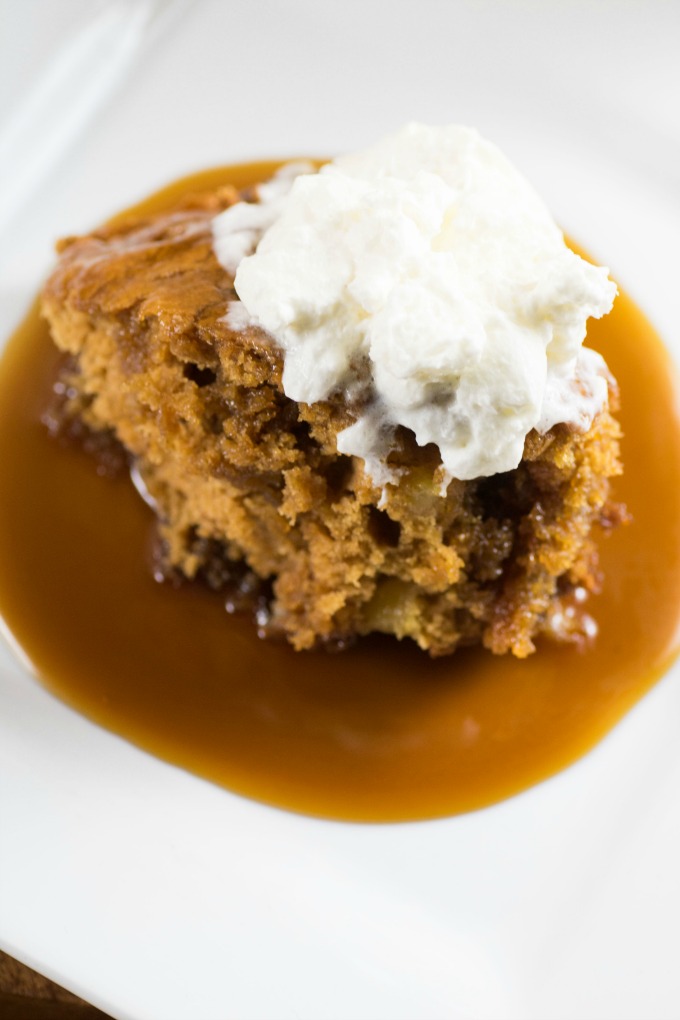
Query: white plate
(160,897)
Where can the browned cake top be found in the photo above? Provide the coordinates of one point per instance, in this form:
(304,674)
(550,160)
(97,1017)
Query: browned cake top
(158,267)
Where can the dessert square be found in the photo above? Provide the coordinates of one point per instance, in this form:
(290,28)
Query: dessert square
(249,488)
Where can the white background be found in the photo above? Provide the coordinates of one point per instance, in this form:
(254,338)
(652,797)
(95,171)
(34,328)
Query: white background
(159,896)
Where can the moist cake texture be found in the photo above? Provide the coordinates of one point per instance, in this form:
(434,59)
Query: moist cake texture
(243,477)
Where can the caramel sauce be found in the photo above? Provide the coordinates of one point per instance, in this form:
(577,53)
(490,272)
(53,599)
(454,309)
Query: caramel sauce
(378,732)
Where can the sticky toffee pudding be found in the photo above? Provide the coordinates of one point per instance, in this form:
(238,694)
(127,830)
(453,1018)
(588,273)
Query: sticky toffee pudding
(378,730)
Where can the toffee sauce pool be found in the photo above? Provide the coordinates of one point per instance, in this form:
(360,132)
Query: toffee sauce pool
(376,733)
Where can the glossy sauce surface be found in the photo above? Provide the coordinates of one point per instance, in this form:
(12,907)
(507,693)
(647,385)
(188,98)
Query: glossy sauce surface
(379,732)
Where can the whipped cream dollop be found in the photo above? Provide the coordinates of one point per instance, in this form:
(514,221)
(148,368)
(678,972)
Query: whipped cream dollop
(425,280)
